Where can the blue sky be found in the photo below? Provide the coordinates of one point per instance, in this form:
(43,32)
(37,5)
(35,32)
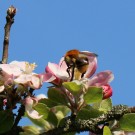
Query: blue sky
(44,30)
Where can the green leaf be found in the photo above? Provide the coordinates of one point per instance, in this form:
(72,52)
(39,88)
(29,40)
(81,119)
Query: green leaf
(42,110)
(73,87)
(48,102)
(106,131)
(42,123)
(6,121)
(39,122)
(93,94)
(57,96)
(127,122)
(47,113)
(52,118)
(60,111)
(105,105)
(88,112)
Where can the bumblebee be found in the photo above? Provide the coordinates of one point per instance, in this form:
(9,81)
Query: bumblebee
(77,63)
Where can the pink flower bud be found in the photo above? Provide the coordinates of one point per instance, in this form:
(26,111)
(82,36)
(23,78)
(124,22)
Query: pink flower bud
(107,91)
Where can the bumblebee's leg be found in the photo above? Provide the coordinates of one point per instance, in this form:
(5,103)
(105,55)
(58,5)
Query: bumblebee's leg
(68,70)
(82,74)
(73,70)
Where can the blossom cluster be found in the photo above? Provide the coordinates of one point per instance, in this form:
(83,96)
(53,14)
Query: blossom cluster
(102,79)
(16,74)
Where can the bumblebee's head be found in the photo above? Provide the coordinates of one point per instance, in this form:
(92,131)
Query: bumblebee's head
(71,57)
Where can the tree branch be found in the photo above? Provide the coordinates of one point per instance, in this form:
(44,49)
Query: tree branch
(9,21)
(19,116)
(91,124)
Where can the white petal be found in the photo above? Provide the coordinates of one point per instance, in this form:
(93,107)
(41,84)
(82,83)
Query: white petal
(35,82)
(23,79)
(30,111)
(34,114)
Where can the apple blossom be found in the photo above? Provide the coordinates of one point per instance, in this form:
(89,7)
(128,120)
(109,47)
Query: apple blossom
(60,70)
(20,73)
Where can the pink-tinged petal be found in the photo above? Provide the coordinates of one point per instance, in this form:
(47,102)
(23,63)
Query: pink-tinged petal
(23,79)
(34,114)
(30,80)
(101,78)
(107,91)
(14,67)
(35,82)
(20,64)
(9,81)
(92,59)
(2,88)
(24,66)
(11,69)
(29,103)
(91,68)
(6,79)
(51,68)
(62,64)
(48,77)
(62,74)
(57,71)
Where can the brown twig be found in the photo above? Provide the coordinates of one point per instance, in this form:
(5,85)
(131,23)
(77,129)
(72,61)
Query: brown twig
(9,21)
